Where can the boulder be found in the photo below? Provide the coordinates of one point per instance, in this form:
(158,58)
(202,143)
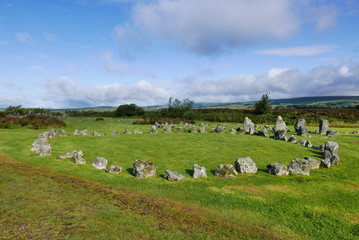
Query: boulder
(232,131)
(300,127)
(180,130)
(220,129)
(114,169)
(280,125)
(302,142)
(263,132)
(137,132)
(95,133)
(115,133)
(67,155)
(325,163)
(168,130)
(226,170)
(280,135)
(100,163)
(78,158)
(48,134)
(245,165)
(248,125)
(153,130)
(331,133)
(331,149)
(323,126)
(292,139)
(355,132)
(308,144)
(173,176)
(299,166)
(202,129)
(193,129)
(127,131)
(77,132)
(313,163)
(143,169)
(85,132)
(199,171)
(62,133)
(43,149)
(277,169)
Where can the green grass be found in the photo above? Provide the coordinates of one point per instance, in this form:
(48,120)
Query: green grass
(323,205)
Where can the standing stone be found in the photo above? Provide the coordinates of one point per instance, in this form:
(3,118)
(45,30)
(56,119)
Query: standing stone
(100,163)
(277,169)
(62,133)
(263,132)
(220,129)
(226,170)
(199,171)
(41,147)
(114,169)
(173,176)
(153,130)
(300,127)
(85,132)
(331,152)
(137,132)
(143,169)
(292,139)
(248,126)
(168,130)
(300,166)
(331,133)
(78,158)
(323,126)
(280,129)
(308,144)
(127,131)
(67,155)
(245,165)
(232,131)
(95,133)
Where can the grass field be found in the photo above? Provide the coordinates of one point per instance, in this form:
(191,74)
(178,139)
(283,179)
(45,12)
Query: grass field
(73,201)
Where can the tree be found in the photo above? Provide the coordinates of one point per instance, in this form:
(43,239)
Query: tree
(129,110)
(263,106)
(178,108)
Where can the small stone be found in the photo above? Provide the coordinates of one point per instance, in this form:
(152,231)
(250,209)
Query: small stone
(226,170)
(144,169)
(95,133)
(62,133)
(173,176)
(232,131)
(245,165)
(115,133)
(277,169)
(127,131)
(78,158)
(153,130)
(69,154)
(100,163)
(299,166)
(114,169)
(137,132)
(199,171)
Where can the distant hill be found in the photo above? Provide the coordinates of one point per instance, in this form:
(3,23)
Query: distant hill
(302,102)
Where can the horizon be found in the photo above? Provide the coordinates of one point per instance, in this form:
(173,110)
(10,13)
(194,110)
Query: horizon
(76,54)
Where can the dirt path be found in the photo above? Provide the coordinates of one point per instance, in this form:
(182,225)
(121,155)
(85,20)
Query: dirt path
(166,213)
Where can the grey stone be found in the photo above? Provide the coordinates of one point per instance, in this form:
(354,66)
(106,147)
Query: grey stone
(85,132)
(331,149)
(100,163)
(144,169)
(277,169)
(245,165)
(180,130)
(280,125)
(248,125)
(299,166)
(78,158)
(193,129)
(331,133)
(202,129)
(153,130)
(199,171)
(232,131)
(115,133)
(292,139)
(300,127)
(334,160)
(226,170)
(263,132)
(168,130)
(220,129)
(325,163)
(313,163)
(77,132)
(308,144)
(302,142)
(96,133)
(62,133)
(173,176)
(114,169)
(280,135)
(323,126)
(127,131)
(69,154)
(137,132)
(355,132)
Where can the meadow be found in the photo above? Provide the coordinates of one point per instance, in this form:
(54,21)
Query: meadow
(323,205)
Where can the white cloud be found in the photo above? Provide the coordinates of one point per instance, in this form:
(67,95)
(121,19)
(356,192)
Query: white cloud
(23,36)
(299,51)
(274,72)
(325,16)
(65,92)
(209,26)
(113,66)
(37,70)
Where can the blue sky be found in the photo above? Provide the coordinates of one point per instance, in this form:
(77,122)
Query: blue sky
(79,53)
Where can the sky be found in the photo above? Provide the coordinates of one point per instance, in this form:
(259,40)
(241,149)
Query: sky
(85,53)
